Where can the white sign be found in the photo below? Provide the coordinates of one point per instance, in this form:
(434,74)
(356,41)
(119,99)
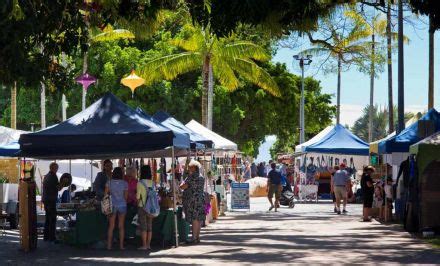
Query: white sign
(240,196)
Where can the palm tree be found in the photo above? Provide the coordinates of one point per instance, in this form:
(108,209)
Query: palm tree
(219,58)
(14,106)
(389,71)
(431,64)
(342,42)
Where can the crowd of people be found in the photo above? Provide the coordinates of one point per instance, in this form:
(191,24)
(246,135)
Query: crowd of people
(128,190)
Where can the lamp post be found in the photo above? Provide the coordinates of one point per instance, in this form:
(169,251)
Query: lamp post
(303,61)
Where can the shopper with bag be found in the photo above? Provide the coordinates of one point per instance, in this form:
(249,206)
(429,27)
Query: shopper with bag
(194,199)
(117,189)
(145,221)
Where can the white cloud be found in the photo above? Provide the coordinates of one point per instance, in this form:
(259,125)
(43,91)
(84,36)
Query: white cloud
(351,112)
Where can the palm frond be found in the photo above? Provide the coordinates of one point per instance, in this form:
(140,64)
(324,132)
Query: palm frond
(170,66)
(224,73)
(243,49)
(112,35)
(252,72)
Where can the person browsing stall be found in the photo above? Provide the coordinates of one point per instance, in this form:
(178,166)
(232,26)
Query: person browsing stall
(51,186)
(274,186)
(68,194)
(367,187)
(340,181)
(194,200)
(102,178)
(145,221)
(118,189)
(130,178)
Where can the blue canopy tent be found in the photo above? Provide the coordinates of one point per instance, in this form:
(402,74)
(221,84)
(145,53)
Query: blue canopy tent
(106,129)
(174,124)
(339,140)
(10,150)
(427,125)
(181,138)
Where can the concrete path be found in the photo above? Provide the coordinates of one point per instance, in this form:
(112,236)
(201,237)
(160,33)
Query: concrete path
(309,233)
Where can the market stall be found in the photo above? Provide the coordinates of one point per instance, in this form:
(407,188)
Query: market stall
(333,146)
(424,185)
(106,129)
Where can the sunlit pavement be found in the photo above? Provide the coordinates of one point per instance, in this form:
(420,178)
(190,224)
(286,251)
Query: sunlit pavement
(309,233)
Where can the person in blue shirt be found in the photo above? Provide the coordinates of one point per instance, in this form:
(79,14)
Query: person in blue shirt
(274,186)
(68,194)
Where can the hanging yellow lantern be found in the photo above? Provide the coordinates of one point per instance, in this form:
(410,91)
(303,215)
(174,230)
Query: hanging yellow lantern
(132,81)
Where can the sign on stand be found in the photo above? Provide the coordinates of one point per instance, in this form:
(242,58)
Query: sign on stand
(240,196)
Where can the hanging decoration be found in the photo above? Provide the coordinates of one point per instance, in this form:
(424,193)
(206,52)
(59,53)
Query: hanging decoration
(133,81)
(85,80)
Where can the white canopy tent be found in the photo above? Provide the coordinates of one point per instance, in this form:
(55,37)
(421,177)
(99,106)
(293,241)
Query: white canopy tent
(8,135)
(220,143)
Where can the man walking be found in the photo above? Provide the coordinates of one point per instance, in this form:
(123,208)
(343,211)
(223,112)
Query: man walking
(340,181)
(50,195)
(273,186)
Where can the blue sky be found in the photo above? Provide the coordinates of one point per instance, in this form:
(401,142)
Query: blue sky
(356,86)
(355,90)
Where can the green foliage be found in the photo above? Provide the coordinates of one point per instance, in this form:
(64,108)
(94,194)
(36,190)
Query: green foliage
(380,122)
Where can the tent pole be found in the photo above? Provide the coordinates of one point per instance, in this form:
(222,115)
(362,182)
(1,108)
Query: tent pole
(173,173)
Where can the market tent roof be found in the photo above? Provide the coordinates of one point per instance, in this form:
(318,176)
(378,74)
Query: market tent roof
(409,135)
(181,139)
(172,123)
(339,140)
(220,143)
(9,146)
(302,147)
(106,129)
(426,150)
(8,135)
(10,150)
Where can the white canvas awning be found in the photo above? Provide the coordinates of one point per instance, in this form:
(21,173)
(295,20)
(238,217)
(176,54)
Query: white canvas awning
(8,135)
(220,143)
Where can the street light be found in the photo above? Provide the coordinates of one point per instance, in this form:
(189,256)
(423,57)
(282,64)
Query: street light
(303,61)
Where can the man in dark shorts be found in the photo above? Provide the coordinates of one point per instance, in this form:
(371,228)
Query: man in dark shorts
(367,192)
(273,186)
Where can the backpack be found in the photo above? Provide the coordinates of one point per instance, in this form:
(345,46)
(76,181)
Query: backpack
(151,206)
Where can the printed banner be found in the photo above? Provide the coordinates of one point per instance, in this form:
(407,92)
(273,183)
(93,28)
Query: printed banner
(240,196)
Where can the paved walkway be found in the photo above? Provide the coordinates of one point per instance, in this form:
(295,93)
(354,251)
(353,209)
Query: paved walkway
(309,233)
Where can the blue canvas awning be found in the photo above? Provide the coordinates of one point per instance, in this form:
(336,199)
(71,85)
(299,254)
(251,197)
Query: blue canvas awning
(10,149)
(175,124)
(339,140)
(410,135)
(181,138)
(106,129)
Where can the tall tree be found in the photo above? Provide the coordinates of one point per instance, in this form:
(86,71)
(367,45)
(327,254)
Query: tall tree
(14,106)
(342,42)
(221,58)
(390,70)
(431,64)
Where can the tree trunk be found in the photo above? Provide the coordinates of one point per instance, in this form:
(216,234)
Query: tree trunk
(63,107)
(338,92)
(400,74)
(205,90)
(14,106)
(210,96)
(43,105)
(390,73)
(371,108)
(431,65)
(84,92)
